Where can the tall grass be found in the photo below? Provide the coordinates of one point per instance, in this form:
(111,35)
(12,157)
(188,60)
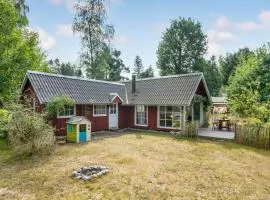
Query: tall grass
(257,136)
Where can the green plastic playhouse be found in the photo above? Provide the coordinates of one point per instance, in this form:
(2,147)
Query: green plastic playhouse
(78,129)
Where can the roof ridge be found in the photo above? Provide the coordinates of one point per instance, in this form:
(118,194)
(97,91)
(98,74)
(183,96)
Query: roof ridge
(74,77)
(163,77)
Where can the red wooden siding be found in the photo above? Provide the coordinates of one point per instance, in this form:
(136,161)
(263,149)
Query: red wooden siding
(152,119)
(30,98)
(99,122)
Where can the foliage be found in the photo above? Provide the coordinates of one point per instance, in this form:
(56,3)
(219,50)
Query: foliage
(247,89)
(19,51)
(22,10)
(28,133)
(4,116)
(58,104)
(183,45)
(253,135)
(149,72)
(90,23)
(110,64)
(229,63)
(138,67)
(65,68)
(212,76)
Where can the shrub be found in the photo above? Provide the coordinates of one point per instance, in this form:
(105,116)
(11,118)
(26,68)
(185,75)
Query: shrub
(4,115)
(28,133)
(58,104)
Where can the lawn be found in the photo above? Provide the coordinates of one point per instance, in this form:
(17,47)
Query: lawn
(143,166)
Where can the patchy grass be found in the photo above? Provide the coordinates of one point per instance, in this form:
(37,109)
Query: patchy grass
(143,166)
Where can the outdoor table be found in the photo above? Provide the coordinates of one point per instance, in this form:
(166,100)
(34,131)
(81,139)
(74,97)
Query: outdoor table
(224,123)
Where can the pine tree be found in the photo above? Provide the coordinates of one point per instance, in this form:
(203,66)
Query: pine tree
(138,67)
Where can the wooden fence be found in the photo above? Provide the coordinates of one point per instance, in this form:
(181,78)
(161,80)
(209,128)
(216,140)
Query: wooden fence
(257,136)
(191,130)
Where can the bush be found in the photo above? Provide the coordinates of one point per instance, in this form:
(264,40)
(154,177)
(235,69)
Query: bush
(4,115)
(28,133)
(58,104)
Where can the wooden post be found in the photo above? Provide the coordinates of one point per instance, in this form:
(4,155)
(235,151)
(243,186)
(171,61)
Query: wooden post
(184,117)
(201,114)
(192,113)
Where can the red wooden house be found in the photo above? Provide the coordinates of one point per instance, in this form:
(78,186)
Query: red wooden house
(162,103)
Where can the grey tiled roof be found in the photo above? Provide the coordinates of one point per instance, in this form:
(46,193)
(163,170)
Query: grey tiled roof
(77,119)
(83,91)
(170,90)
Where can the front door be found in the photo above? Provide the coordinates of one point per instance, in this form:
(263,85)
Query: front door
(82,133)
(113,116)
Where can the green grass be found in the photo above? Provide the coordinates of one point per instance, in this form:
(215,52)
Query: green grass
(143,166)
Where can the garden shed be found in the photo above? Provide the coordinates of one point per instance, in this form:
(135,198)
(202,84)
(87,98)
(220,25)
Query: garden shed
(78,129)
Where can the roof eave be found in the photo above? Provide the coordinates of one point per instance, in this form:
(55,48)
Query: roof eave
(206,89)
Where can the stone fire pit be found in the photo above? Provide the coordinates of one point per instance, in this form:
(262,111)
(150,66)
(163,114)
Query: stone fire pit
(87,173)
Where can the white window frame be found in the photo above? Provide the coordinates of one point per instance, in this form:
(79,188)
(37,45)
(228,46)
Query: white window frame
(67,116)
(135,116)
(113,107)
(164,127)
(99,115)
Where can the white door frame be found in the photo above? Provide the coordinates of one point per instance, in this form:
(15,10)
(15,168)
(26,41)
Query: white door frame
(113,116)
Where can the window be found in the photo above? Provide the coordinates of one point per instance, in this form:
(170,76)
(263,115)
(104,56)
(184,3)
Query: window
(170,117)
(67,112)
(141,115)
(113,109)
(82,128)
(100,110)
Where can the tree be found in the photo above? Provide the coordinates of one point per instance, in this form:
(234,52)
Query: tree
(22,9)
(110,64)
(248,88)
(90,23)
(138,67)
(149,72)
(183,45)
(229,63)
(19,51)
(67,69)
(212,76)
(116,66)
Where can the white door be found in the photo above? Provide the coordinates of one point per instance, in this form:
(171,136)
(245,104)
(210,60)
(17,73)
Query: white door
(113,116)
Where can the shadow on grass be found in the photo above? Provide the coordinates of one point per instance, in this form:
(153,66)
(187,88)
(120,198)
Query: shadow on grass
(7,158)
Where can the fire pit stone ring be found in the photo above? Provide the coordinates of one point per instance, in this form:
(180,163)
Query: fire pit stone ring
(87,173)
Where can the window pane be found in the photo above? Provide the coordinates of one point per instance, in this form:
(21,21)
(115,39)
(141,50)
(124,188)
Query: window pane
(169,108)
(162,116)
(100,109)
(162,123)
(176,116)
(144,121)
(141,115)
(71,111)
(168,115)
(169,123)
